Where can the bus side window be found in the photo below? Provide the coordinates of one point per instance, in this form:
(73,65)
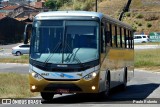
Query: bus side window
(118,37)
(132,42)
(121,41)
(125,39)
(107,35)
(103,48)
(114,36)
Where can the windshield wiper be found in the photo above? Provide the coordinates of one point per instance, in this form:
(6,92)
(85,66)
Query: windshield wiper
(52,51)
(71,55)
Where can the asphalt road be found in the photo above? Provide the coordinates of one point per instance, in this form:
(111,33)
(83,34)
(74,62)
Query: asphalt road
(144,85)
(10,67)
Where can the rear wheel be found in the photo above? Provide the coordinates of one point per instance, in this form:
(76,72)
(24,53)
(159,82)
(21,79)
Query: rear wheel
(124,85)
(18,53)
(48,96)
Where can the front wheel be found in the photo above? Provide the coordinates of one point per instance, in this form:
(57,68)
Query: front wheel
(105,94)
(47,96)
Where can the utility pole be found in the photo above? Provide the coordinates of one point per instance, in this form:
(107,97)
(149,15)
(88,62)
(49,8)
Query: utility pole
(125,9)
(96,6)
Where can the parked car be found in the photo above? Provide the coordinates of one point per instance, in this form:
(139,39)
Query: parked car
(141,39)
(21,49)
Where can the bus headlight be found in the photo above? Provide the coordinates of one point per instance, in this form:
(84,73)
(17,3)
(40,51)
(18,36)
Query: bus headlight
(90,76)
(36,75)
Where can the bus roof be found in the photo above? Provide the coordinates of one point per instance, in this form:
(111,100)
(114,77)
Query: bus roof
(51,14)
(69,13)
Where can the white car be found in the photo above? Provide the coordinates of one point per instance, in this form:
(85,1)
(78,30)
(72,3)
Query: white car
(141,39)
(21,49)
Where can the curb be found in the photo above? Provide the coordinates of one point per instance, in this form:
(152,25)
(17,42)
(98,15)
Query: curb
(149,71)
(16,64)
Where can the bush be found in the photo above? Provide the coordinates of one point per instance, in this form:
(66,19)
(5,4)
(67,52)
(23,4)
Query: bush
(128,14)
(150,17)
(139,16)
(77,6)
(139,24)
(134,27)
(149,25)
(86,6)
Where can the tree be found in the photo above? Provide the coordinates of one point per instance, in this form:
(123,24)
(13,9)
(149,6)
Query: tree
(51,4)
(55,4)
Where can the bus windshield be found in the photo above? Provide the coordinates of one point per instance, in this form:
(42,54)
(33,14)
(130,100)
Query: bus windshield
(65,42)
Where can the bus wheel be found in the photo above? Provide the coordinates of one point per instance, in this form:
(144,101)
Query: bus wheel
(105,93)
(48,96)
(124,85)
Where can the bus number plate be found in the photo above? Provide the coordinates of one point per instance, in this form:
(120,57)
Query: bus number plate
(63,91)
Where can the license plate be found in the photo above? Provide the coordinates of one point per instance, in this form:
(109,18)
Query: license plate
(63,91)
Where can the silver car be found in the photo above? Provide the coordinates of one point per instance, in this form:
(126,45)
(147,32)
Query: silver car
(21,49)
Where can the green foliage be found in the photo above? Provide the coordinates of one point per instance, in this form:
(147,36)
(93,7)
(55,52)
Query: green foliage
(14,85)
(74,4)
(139,16)
(134,27)
(149,25)
(128,14)
(147,58)
(139,24)
(83,5)
(56,4)
(50,4)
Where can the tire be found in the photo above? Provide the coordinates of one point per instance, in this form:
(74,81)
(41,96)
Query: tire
(18,53)
(47,96)
(105,94)
(124,85)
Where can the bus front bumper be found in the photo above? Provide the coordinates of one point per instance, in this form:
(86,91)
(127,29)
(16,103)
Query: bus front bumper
(75,86)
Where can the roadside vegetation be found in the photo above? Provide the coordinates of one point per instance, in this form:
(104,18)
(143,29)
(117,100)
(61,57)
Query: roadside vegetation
(147,59)
(14,85)
(20,59)
(143,58)
(143,15)
(148,43)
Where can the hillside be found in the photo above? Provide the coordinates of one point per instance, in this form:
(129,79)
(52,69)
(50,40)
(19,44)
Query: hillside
(144,15)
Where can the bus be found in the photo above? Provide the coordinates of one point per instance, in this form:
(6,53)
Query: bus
(79,52)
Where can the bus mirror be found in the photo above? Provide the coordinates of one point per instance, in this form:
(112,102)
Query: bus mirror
(25,38)
(27,33)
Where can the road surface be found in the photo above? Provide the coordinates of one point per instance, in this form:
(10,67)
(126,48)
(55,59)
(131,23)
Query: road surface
(13,67)
(144,85)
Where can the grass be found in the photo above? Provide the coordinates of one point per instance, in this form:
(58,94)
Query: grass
(143,58)
(149,43)
(14,85)
(21,59)
(147,58)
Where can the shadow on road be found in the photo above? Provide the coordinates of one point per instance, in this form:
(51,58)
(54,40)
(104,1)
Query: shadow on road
(133,92)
